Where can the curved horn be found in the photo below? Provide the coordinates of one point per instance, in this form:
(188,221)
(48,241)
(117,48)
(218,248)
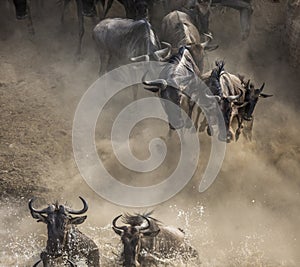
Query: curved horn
(217,97)
(140,58)
(143,228)
(247,85)
(114,223)
(231,98)
(71,263)
(37,263)
(161,83)
(204,44)
(163,54)
(264,95)
(262,87)
(32,209)
(83,210)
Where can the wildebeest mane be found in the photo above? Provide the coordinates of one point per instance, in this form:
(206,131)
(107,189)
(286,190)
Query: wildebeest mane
(138,218)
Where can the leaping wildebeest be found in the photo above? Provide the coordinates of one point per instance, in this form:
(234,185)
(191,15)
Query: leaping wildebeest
(65,242)
(179,83)
(226,87)
(229,92)
(147,241)
(245,113)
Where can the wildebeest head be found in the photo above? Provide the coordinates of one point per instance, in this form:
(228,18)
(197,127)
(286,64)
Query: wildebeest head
(59,220)
(252,96)
(131,236)
(171,98)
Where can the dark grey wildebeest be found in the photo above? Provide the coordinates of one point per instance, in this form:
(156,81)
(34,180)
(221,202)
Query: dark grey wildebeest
(245,113)
(120,40)
(147,242)
(179,83)
(65,242)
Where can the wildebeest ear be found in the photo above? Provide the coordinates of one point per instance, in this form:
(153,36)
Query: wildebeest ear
(152,89)
(151,233)
(78,220)
(264,95)
(39,217)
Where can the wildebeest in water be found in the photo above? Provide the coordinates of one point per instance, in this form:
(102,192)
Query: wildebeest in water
(65,242)
(148,242)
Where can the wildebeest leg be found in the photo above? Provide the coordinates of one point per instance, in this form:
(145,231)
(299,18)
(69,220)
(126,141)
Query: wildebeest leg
(21,9)
(239,128)
(65,4)
(188,122)
(29,22)
(247,131)
(245,10)
(80,25)
(108,7)
(104,60)
(198,113)
(245,21)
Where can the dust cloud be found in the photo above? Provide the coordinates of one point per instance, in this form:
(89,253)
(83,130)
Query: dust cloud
(248,217)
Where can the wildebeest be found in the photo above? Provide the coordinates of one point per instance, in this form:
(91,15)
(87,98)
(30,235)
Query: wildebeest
(147,241)
(119,40)
(228,90)
(246,111)
(178,29)
(180,84)
(65,241)
(242,98)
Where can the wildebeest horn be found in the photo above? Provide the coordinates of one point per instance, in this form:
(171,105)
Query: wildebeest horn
(164,53)
(140,58)
(33,209)
(37,263)
(204,44)
(231,98)
(83,210)
(264,95)
(142,228)
(262,87)
(247,85)
(71,263)
(217,97)
(161,83)
(114,223)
